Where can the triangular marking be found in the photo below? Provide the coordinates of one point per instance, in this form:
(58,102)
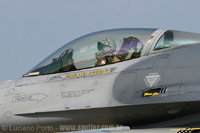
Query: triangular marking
(152,79)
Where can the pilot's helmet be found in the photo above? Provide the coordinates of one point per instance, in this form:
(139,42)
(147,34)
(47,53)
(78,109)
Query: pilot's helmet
(106,45)
(131,42)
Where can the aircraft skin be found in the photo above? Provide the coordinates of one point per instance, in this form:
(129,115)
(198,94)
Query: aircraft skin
(158,89)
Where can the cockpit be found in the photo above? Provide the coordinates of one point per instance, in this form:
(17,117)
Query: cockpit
(109,47)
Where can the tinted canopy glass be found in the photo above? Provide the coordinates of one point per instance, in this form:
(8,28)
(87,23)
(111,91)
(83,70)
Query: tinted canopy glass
(96,49)
(176,38)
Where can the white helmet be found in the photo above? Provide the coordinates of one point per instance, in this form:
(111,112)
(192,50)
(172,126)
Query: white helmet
(106,45)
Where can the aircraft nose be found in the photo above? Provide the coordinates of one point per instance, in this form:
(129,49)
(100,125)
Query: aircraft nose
(2,92)
(4,87)
(1,114)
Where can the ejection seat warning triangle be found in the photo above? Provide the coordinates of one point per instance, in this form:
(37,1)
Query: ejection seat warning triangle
(152,80)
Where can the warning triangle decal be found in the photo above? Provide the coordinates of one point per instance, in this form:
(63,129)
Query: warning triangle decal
(151,80)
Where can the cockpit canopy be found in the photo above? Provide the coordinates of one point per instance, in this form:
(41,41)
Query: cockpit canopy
(176,38)
(94,50)
(107,47)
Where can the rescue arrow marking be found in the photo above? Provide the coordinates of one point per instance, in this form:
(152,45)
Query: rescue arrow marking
(27,98)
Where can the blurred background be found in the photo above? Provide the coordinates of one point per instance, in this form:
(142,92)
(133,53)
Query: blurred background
(30,30)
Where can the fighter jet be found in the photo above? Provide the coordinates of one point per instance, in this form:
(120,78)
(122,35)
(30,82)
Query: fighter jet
(141,78)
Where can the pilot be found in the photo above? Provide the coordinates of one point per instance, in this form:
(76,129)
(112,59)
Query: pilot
(63,63)
(66,61)
(106,48)
(130,48)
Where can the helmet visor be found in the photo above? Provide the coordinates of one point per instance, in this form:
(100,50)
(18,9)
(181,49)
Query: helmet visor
(102,47)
